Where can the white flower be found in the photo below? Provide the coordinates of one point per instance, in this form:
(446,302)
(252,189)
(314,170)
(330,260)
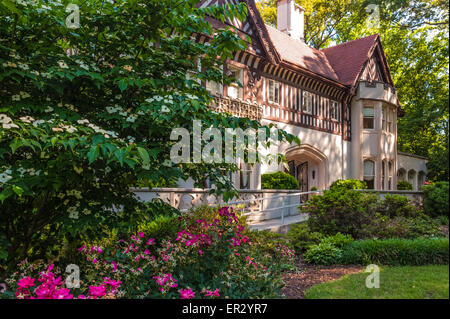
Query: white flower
(62,64)
(16,97)
(38,122)
(84,121)
(9,125)
(5,119)
(48,109)
(131,118)
(27,119)
(86,211)
(4,177)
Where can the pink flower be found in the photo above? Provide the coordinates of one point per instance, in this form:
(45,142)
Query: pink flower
(211,293)
(62,293)
(151,241)
(97,291)
(81,297)
(114,264)
(26,282)
(115,284)
(141,234)
(187,293)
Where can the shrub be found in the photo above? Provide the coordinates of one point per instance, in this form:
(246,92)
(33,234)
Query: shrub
(401,227)
(278,180)
(349,184)
(339,240)
(341,210)
(395,206)
(323,254)
(436,199)
(420,251)
(301,237)
(404,186)
(443,220)
(211,255)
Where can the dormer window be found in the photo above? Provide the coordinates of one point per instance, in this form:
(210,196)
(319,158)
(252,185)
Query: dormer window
(274,92)
(234,90)
(307,102)
(368,117)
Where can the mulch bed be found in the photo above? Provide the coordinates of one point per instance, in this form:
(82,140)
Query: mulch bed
(307,276)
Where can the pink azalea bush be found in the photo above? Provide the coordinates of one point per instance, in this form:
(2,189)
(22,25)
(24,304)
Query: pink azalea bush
(212,254)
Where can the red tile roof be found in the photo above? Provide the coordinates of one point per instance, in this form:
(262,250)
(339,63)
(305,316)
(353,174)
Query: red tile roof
(301,54)
(347,59)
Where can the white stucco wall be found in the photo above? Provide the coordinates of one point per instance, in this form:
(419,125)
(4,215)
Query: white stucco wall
(336,150)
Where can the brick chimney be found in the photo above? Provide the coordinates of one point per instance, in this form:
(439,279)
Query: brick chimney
(290,19)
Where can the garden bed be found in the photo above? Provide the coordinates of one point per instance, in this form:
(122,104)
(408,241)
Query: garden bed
(306,276)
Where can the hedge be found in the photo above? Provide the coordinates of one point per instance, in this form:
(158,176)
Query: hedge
(414,252)
(278,180)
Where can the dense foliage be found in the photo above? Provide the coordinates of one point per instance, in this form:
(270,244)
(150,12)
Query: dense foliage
(348,184)
(419,251)
(436,199)
(404,186)
(365,215)
(278,180)
(88,112)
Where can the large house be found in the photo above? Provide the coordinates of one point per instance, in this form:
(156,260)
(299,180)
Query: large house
(340,102)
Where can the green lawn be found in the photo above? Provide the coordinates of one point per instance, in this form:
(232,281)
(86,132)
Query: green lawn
(410,282)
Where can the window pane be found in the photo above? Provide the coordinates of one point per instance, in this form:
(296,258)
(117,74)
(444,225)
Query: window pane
(369,168)
(368,111)
(368,123)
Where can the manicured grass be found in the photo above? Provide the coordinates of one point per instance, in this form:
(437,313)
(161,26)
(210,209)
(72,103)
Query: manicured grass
(408,282)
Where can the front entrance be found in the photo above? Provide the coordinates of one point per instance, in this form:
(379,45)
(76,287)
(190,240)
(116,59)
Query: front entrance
(302,177)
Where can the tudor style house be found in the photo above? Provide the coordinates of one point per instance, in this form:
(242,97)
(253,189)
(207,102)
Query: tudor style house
(340,102)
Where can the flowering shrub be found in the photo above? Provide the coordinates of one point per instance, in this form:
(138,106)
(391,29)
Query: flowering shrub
(48,285)
(211,255)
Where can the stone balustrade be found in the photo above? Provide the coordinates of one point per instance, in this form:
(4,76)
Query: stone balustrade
(237,107)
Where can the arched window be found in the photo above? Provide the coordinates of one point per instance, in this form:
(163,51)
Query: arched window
(369,173)
(383,175)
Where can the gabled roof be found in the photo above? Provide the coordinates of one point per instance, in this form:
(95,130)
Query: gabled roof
(301,54)
(348,59)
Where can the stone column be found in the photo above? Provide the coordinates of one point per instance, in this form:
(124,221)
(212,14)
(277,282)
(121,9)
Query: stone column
(378,126)
(356,133)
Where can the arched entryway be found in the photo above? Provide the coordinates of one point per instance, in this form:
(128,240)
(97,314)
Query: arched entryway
(309,166)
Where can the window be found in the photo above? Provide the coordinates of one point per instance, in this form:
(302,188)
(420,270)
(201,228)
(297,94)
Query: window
(384,118)
(334,110)
(307,102)
(383,175)
(234,90)
(369,173)
(245,175)
(368,117)
(390,126)
(274,92)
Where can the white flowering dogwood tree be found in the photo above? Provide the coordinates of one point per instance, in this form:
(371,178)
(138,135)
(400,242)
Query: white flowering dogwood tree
(88,103)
